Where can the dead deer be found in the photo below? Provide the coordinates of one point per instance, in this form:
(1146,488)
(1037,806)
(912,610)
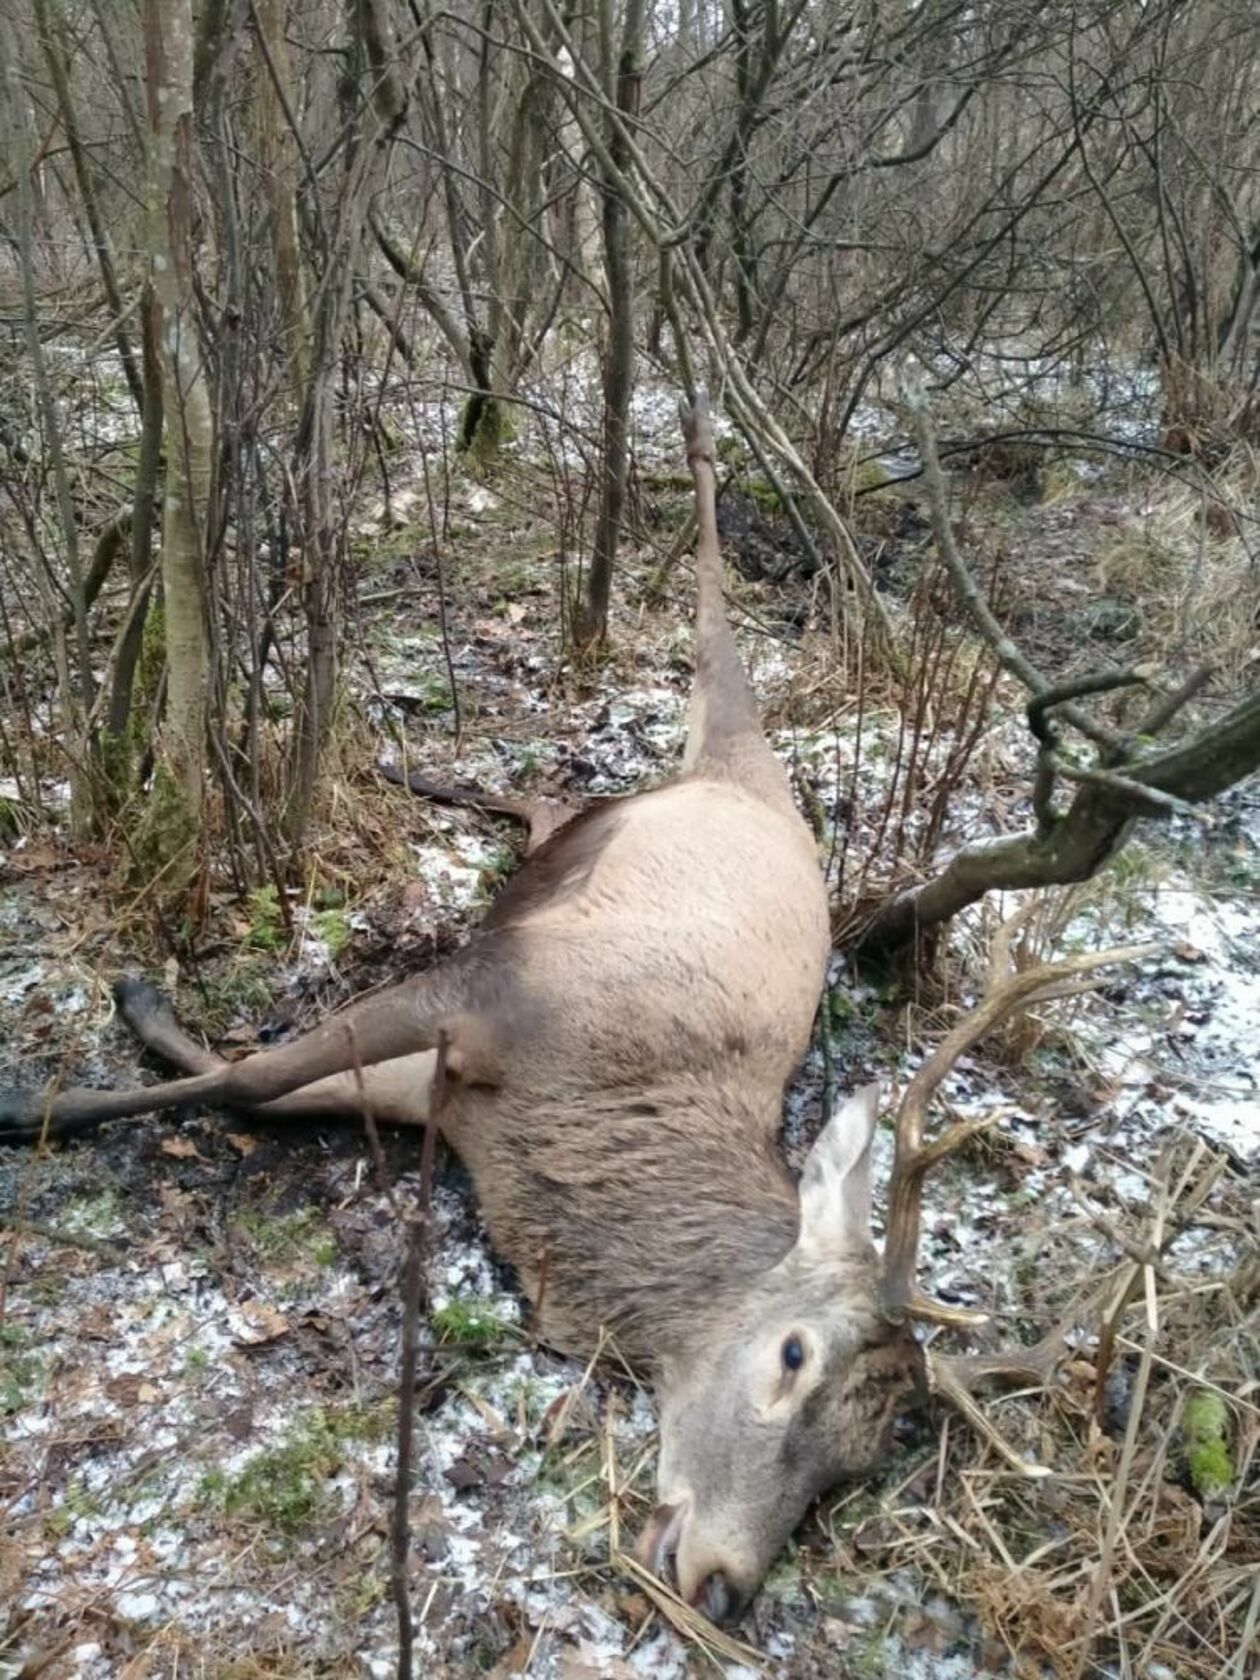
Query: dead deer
(613,1047)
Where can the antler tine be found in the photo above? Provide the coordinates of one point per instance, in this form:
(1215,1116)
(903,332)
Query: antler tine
(913,1158)
(956,1378)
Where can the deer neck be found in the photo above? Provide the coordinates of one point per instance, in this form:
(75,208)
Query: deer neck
(656,1211)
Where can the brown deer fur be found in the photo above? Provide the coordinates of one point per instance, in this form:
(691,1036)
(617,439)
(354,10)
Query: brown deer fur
(619,1034)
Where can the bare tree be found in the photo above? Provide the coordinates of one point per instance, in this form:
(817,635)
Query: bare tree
(175,806)
(621,74)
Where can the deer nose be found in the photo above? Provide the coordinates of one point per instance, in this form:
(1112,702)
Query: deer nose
(718,1599)
(659,1541)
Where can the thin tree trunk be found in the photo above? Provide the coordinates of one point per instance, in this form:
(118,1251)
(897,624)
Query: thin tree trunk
(52,43)
(479,423)
(175,809)
(322,532)
(143,516)
(619,366)
(279,163)
(321,562)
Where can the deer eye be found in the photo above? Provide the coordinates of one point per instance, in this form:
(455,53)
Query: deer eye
(793,1354)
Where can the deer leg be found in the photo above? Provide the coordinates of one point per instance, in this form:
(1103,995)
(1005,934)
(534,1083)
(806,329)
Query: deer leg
(541,817)
(724,733)
(396,1092)
(399,1025)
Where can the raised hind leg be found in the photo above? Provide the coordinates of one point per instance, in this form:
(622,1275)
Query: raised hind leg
(724,733)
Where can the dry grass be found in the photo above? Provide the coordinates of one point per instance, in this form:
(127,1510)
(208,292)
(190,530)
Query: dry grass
(1113,1565)
(1188,562)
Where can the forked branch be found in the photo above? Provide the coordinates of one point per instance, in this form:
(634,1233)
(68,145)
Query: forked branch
(1127,781)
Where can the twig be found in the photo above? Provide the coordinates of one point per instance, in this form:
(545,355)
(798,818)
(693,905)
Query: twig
(59,1237)
(1141,1254)
(1076,688)
(686,1621)
(369,1125)
(400,1520)
(412,1292)
(1151,800)
(1116,1509)
(1164,711)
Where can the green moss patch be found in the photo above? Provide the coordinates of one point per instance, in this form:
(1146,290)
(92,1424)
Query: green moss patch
(287,1487)
(1205,1429)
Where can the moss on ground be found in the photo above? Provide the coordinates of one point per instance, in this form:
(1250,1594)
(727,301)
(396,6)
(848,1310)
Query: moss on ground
(21,1369)
(245,990)
(266,931)
(287,1239)
(332,927)
(1205,1441)
(286,1488)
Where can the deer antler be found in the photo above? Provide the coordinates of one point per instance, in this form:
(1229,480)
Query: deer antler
(954,1377)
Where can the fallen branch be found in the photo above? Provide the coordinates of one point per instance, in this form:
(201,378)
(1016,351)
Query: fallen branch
(1073,845)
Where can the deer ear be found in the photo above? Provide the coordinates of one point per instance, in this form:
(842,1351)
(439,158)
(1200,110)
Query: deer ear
(835,1186)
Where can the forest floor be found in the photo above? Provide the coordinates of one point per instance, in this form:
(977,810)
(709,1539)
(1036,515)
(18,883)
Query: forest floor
(199,1338)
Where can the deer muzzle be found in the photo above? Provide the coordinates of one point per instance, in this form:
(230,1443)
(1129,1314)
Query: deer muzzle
(663,1548)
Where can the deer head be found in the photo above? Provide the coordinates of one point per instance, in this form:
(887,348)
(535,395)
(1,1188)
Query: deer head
(799,1387)
(785,1393)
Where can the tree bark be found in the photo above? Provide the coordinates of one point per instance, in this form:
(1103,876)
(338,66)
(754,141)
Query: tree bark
(619,365)
(143,517)
(175,807)
(279,163)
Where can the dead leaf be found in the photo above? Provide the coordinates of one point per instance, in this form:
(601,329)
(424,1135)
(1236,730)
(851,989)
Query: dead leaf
(429,1528)
(1189,953)
(30,858)
(239,1422)
(1079,1371)
(588,1663)
(498,1470)
(633,1607)
(242,1142)
(927,1633)
(245,1034)
(498,1429)
(415,895)
(183,1148)
(123,1390)
(1100,1450)
(261,1324)
(464,1474)
(515,1661)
